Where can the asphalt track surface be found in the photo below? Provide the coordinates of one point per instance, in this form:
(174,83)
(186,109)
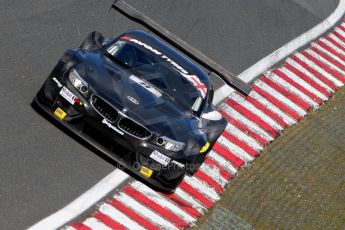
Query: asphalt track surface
(42,169)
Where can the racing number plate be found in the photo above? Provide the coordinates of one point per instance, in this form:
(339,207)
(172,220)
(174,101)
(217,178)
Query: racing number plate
(159,157)
(60,113)
(146,171)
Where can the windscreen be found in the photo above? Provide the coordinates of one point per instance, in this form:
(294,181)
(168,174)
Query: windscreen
(147,63)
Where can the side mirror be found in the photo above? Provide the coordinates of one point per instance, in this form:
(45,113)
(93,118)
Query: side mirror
(213,116)
(93,41)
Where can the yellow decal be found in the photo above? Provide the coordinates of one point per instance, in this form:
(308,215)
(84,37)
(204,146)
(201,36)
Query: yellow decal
(205,147)
(146,171)
(60,113)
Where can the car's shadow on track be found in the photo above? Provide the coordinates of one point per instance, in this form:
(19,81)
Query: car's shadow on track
(93,149)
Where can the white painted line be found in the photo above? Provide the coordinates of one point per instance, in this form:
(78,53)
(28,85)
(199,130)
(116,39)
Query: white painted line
(246,104)
(334,47)
(95,224)
(164,202)
(83,202)
(333,56)
(291,88)
(223,162)
(286,118)
(303,83)
(319,69)
(248,123)
(341,32)
(312,77)
(213,173)
(317,56)
(335,38)
(144,211)
(239,152)
(262,85)
(222,93)
(190,200)
(230,128)
(202,187)
(119,217)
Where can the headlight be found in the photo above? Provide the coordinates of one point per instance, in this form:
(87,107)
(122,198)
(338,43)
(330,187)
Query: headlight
(78,82)
(169,144)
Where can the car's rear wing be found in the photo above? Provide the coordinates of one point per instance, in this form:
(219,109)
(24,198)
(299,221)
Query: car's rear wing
(181,45)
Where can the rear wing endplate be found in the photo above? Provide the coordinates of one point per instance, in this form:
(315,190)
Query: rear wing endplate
(182,46)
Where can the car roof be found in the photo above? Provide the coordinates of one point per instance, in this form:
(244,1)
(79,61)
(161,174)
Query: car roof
(170,52)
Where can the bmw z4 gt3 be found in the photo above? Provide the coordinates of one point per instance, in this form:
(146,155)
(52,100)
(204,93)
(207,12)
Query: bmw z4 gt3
(138,92)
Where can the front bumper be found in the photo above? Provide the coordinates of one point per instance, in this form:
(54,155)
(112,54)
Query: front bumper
(87,124)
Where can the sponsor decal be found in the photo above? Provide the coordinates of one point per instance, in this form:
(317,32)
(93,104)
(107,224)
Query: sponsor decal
(146,85)
(160,158)
(197,84)
(153,50)
(201,87)
(133,100)
(146,171)
(205,147)
(177,66)
(107,123)
(59,113)
(68,95)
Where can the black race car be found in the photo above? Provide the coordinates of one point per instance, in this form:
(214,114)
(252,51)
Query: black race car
(139,92)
